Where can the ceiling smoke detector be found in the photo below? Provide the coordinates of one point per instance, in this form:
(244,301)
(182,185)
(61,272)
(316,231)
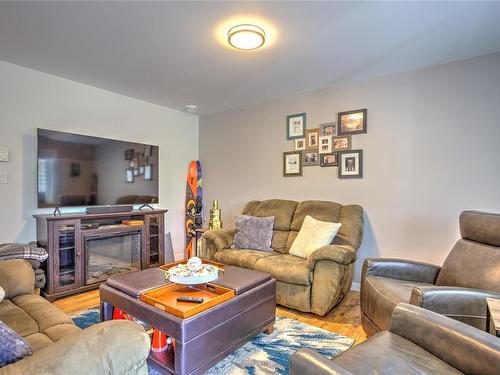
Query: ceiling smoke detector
(191,108)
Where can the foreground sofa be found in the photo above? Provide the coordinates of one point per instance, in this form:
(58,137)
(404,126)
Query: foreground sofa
(59,346)
(458,289)
(313,285)
(418,342)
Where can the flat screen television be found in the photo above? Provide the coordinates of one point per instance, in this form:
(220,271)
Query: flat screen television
(78,170)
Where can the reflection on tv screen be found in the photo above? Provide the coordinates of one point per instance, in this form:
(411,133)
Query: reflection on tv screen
(78,170)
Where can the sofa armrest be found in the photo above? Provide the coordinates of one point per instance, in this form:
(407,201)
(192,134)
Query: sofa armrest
(464,347)
(306,361)
(464,304)
(400,269)
(16,277)
(215,240)
(342,254)
(113,347)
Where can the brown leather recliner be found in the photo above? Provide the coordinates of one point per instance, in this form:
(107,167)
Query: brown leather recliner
(458,289)
(418,342)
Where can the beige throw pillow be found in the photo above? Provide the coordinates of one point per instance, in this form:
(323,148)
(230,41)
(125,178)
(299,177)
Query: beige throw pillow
(312,235)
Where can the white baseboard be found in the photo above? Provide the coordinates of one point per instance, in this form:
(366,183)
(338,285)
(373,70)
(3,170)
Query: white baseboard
(355,287)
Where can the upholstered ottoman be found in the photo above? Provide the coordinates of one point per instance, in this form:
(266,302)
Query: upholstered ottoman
(204,339)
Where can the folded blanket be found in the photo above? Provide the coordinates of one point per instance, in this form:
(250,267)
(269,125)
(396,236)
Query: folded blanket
(22,251)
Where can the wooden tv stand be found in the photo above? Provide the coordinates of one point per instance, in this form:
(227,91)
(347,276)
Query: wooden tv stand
(68,238)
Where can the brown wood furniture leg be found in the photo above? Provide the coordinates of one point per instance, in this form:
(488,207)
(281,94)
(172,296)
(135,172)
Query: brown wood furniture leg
(269,330)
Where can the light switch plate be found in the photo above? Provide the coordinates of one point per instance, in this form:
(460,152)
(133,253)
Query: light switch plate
(4,177)
(4,155)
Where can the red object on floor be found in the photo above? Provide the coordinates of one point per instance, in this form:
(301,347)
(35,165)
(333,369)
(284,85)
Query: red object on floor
(118,314)
(159,343)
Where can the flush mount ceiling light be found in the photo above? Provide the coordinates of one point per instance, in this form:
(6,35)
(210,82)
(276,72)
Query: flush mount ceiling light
(191,108)
(246,37)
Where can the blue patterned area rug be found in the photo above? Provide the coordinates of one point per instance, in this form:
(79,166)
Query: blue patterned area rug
(264,354)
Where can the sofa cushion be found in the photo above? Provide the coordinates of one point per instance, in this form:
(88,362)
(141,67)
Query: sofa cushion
(253,232)
(472,265)
(12,346)
(382,294)
(38,341)
(394,353)
(283,212)
(241,257)
(17,319)
(320,210)
(44,313)
(313,234)
(287,268)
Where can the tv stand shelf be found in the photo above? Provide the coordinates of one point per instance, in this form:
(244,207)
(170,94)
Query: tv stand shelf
(65,240)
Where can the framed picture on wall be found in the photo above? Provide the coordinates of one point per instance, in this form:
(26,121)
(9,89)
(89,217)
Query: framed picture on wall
(350,164)
(341,143)
(300,144)
(312,138)
(325,144)
(295,126)
(292,163)
(311,158)
(329,160)
(352,122)
(329,128)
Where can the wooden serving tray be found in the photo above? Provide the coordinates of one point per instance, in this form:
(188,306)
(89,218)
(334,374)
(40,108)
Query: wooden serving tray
(204,261)
(165,298)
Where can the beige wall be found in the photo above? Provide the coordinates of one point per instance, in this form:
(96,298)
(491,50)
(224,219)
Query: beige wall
(432,150)
(30,99)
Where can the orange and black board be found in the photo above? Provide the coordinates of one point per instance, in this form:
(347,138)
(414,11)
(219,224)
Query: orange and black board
(193,205)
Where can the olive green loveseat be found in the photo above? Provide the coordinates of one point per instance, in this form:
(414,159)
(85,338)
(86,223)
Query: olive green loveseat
(315,284)
(59,346)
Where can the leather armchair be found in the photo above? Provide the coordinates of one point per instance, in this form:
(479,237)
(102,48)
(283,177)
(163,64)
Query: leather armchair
(458,289)
(418,342)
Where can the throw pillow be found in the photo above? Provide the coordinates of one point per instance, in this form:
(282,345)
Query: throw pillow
(12,346)
(2,294)
(253,232)
(312,235)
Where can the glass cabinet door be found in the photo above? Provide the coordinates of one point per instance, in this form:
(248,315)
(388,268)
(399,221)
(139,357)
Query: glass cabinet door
(67,266)
(154,243)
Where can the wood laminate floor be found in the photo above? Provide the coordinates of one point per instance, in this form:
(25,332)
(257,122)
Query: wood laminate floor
(344,319)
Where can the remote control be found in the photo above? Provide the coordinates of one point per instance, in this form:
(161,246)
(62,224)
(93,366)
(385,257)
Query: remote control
(190,299)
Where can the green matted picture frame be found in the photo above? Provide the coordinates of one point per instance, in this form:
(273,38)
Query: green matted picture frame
(291,131)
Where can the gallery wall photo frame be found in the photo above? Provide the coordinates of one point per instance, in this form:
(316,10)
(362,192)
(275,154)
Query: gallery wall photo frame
(341,142)
(300,144)
(329,160)
(312,138)
(292,164)
(296,126)
(350,164)
(311,158)
(329,128)
(352,122)
(325,144)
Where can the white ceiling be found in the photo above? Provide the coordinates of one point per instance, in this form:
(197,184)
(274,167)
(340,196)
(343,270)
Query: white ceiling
(169,53)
